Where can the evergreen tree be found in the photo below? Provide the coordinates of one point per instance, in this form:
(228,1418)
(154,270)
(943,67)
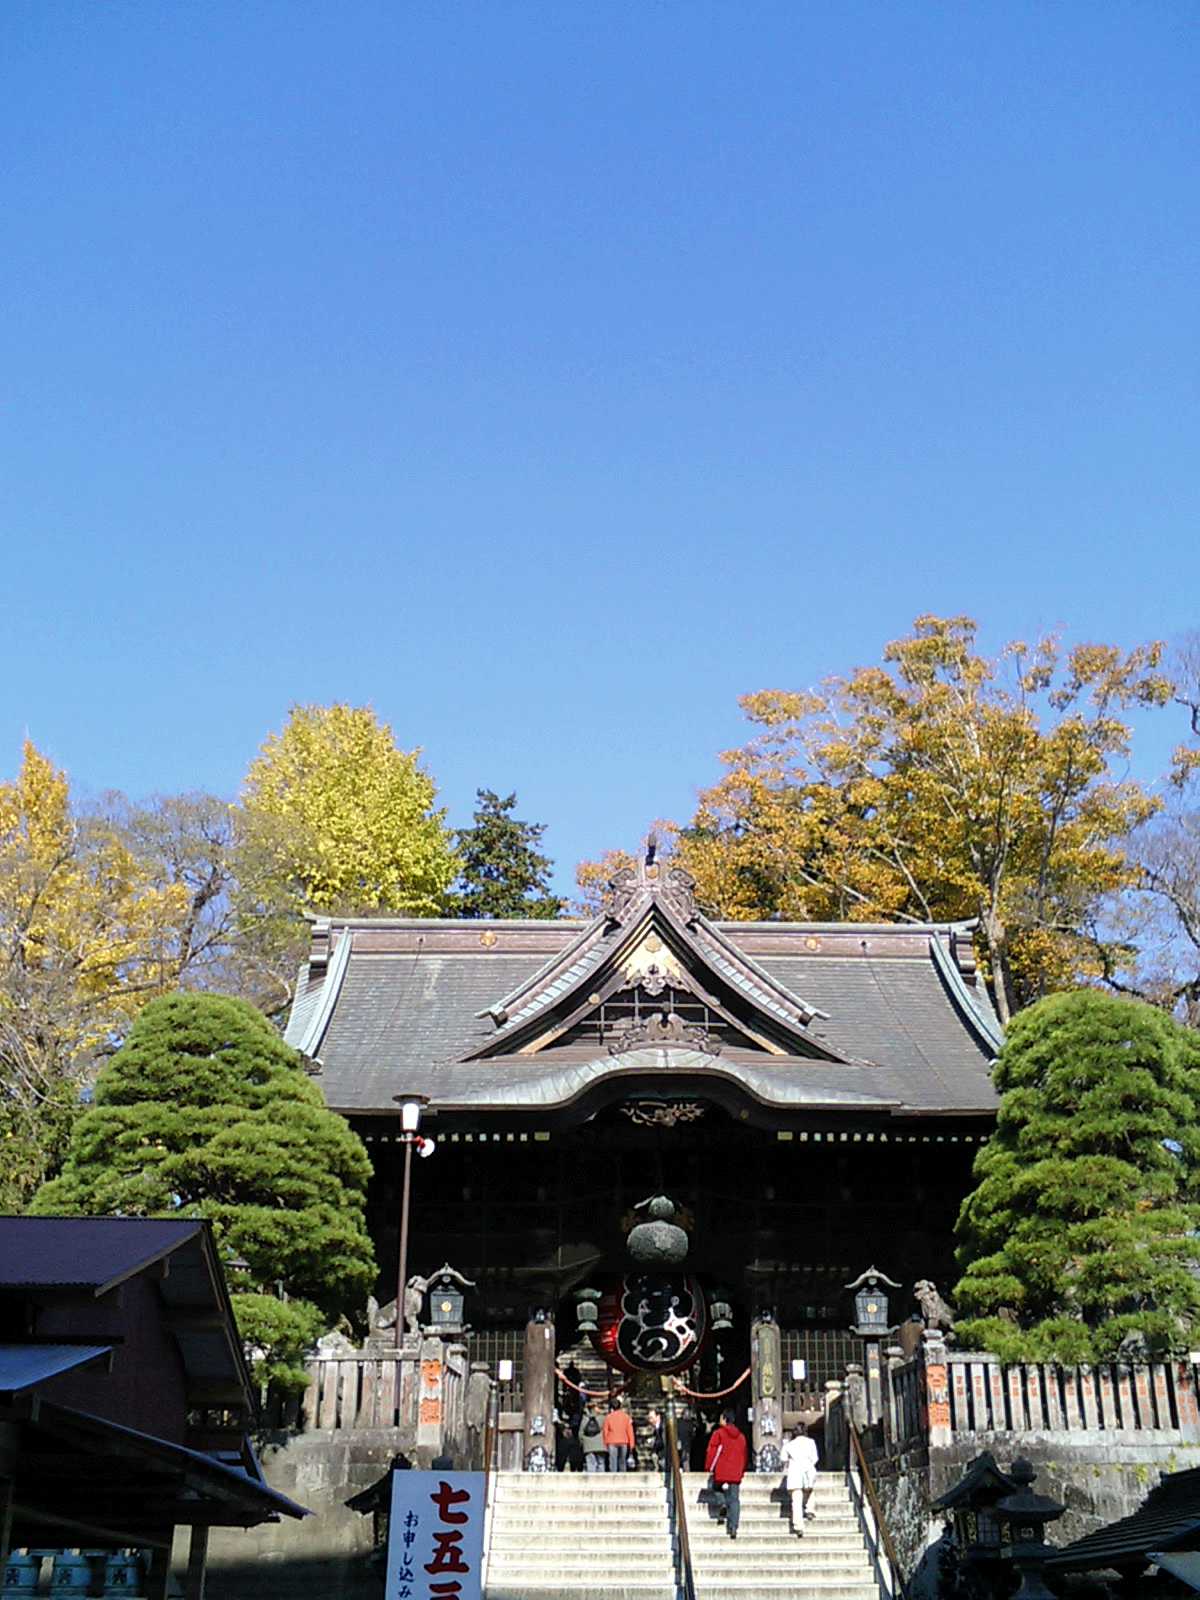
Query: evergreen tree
(206,1112)
(503,872)
(1082,1228)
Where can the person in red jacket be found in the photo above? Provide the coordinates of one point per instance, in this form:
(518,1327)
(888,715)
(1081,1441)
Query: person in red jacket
(725,1462)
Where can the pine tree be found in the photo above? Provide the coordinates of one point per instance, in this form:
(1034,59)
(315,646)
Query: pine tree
(1082,1230)
(503,873)
(206,1112)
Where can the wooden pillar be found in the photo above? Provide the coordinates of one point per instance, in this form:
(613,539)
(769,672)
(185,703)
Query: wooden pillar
(892,1416)
(856,1395)
(539,1393)
(873,1370)
(159,1576)
(10,1451)
(766,1390)
(6,1517)
(193,1588)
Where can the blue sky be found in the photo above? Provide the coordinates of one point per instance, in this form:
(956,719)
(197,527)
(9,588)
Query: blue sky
(548,375)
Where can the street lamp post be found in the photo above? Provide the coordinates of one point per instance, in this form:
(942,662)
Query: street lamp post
(411,1107)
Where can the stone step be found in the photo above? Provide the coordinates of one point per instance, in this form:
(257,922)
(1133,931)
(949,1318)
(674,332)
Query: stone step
(846,1539)
(754,1487)
(548,1482)
(585,1497)
(583,1504)
(553,1565)
(699,1516)
(634,1543)
(584,1589)
(784,1588)
(791,1559)
(565,1484)
(592,1483)
(564,1527)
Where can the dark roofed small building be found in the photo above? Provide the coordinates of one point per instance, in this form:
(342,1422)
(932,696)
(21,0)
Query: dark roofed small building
(125,1401)
(810,1095)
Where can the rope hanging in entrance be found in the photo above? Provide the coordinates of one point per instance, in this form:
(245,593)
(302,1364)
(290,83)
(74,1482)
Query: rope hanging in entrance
(590,1394)
(716,1394)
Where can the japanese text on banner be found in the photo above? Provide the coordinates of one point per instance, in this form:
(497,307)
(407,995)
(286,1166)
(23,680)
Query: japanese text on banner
(435,1536)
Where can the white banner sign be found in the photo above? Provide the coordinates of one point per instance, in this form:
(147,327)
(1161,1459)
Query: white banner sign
(435,1536)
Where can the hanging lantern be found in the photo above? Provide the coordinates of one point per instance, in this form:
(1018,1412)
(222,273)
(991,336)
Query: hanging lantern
(660,1242)
(651,1322)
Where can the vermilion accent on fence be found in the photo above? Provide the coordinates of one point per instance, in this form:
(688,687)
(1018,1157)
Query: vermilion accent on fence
(942,1394)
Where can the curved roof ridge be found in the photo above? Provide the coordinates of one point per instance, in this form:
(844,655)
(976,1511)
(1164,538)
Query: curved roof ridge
(308,1039)
(984,1027)
(562,1083)
(518,1002)
(770,984)
(963,925)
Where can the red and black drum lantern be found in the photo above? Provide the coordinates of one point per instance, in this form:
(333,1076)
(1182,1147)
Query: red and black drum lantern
(651,1322)
(653,1318)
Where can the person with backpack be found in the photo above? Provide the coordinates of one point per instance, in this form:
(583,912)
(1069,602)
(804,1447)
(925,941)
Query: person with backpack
(591,1439)
(725,1463)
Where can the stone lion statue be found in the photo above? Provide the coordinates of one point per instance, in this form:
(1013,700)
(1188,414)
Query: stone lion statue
(381,1318)
(936,1312)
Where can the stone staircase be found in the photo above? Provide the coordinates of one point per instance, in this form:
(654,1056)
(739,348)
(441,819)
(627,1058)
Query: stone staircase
(573,1535)
(596,1376)
(767,1560)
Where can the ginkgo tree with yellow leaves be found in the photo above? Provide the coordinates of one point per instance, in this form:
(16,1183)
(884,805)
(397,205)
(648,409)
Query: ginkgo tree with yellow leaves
(941,784)
(87,936)
(347,817)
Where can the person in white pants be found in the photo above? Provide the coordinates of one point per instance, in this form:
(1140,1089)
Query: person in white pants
(800,1458)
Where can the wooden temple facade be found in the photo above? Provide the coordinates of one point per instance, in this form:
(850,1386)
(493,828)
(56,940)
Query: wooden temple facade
(810,1096)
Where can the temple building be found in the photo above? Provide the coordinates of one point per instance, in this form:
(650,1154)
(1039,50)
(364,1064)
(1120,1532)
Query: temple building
(809,1096)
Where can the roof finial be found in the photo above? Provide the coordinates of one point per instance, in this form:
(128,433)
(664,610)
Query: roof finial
(650,868)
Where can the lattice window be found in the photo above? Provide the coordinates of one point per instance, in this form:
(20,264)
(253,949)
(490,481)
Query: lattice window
(826,1352)
(628,1008)
(503,1344)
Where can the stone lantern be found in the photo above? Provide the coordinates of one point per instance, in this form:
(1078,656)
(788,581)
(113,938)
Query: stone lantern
(586,1313)
(871,1303)
(1026,1515)
(976,1527)
(873,1327)
(446,1300)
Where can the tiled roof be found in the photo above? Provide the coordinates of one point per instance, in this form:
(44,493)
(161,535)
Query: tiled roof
(416,1000)
(85,1252)
(1168,1518)
(24,1366)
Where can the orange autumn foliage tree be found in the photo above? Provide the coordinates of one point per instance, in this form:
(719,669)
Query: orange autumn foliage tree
(87,937)
(942,784)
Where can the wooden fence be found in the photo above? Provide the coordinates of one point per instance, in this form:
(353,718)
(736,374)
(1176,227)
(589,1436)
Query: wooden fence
(1040,1397)
(942,1395)
(358,1391)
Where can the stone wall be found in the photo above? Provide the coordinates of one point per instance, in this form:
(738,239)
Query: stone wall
(325,1556)
(1099,1480)
(1096,1479)
(902,1484)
